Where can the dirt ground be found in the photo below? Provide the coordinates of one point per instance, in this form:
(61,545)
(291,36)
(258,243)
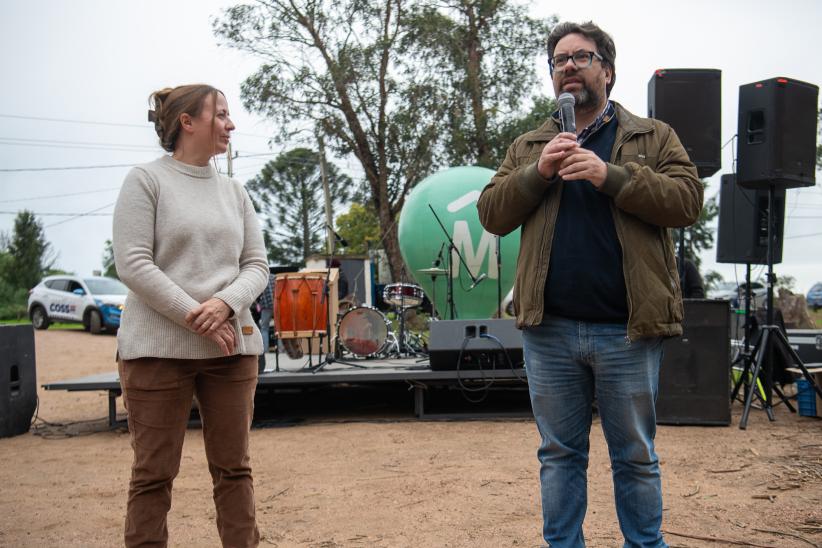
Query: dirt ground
(326,482)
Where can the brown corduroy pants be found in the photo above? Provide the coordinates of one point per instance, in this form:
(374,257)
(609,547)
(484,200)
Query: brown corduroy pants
(157,394)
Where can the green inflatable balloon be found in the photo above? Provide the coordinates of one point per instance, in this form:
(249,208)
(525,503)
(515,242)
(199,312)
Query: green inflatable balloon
(452,194)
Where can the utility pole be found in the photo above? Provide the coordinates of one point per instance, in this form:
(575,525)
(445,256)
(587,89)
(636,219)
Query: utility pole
(229,159)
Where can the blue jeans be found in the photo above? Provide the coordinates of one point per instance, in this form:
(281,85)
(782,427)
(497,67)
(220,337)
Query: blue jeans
(569,363)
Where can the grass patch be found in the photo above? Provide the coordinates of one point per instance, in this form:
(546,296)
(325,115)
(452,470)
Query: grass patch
(14,322)
(57,325)
(816,317)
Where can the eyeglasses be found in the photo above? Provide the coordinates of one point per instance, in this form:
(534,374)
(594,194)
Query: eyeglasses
(581,59)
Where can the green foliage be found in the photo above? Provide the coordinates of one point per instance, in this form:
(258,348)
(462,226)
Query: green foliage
(406,87)
(288,194)
(338,66)
(711,280)
(31,254)
(514,127)
(700,236)
(109,268)
(481,54)
(13,300)
(360,228)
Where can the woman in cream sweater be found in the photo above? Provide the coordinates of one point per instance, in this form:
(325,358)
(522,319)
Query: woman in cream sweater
(188,245)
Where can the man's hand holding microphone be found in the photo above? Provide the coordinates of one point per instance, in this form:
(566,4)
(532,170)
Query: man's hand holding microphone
(564,157)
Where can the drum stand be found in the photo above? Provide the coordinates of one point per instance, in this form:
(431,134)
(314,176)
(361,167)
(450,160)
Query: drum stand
(401,347)
(331,355)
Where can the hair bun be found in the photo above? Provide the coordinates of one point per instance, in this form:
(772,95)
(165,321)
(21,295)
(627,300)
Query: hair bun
(158,98)
(169,103)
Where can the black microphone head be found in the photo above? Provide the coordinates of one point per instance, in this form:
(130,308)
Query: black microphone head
(566,98)
(477,280)
(566,104)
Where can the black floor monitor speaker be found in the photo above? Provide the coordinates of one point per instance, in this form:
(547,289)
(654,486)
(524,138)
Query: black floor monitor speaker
(689,100)
(18,379)
(743,224)
(483,340)
(694,381)
(777,134)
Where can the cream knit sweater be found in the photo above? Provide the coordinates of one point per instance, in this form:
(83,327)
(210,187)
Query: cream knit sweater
(184,234)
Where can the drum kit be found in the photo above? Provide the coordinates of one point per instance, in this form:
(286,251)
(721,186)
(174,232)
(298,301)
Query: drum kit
(365,332)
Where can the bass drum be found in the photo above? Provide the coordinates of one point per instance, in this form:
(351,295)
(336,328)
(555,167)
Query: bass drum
(363,331)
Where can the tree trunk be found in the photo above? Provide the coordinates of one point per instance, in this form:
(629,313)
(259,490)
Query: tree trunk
(391,244)
(474,82)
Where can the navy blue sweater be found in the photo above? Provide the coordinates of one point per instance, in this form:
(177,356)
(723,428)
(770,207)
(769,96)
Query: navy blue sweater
(585,278)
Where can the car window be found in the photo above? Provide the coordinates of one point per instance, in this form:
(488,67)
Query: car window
(106,286)
(72,285)
(59,284)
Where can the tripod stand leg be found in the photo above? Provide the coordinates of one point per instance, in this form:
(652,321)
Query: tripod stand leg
(784,399)
(762,347)
(743,377)
(798,361)
(746,379)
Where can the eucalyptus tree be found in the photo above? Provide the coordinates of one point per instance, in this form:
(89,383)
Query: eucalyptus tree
(389,82)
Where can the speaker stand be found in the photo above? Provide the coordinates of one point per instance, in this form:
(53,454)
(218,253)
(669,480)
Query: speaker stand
(770,339)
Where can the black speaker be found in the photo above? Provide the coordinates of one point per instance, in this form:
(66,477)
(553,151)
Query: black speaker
(743,224)
(694,380)
(480,341)
(18,379)
(777,134)
(689,101)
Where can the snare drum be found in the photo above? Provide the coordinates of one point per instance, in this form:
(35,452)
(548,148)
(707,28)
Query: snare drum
(363,331)
(403,295)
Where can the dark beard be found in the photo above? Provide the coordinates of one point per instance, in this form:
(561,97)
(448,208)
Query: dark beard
(586,99)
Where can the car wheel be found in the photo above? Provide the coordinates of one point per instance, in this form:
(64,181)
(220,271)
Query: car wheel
(95,322)
(39,318)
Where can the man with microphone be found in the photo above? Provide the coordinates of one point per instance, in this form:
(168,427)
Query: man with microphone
(597,287)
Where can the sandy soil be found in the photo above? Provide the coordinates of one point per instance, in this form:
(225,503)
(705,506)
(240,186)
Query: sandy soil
(325,482)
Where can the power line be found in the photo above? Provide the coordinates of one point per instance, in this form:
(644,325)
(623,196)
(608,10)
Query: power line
(87,213)
(14,140)
(59,214)
(86,122)
(147,125)
(80,147)
(60,195)
(294,161)
(63,168)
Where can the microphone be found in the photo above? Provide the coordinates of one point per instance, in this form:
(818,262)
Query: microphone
(477,280)
(340,239)
(566,104)
(438,260)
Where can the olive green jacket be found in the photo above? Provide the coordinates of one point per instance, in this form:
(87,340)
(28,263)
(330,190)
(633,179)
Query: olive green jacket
(653,185)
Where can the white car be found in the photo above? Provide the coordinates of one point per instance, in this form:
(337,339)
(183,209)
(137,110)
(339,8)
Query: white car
(736,294)
(96,302)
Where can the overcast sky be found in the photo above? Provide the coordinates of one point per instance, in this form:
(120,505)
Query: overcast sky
(96,61)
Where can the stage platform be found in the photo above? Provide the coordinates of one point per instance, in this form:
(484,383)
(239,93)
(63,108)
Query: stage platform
(295,374)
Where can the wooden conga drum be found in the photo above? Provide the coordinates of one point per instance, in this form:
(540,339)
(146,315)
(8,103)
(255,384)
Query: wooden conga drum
(300,307)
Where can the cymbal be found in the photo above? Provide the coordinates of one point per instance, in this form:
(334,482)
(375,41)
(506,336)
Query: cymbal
(433,271)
